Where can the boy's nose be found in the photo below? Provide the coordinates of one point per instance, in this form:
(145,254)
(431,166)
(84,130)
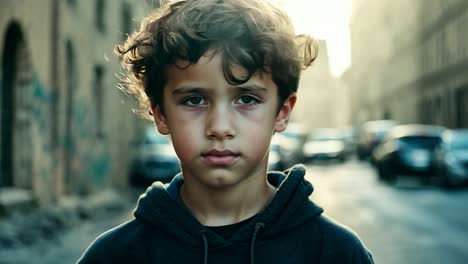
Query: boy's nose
(219,124)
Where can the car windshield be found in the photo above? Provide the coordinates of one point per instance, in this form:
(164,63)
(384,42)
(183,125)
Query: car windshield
(460,142)
(427,142)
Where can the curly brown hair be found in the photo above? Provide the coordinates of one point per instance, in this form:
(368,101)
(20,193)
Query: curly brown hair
(251,33)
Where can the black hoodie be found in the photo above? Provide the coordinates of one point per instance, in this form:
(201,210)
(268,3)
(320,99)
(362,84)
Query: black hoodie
(291,229)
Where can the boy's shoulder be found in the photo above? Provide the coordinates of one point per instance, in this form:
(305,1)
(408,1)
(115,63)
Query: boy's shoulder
(341,244)
(121,240)
(336,231)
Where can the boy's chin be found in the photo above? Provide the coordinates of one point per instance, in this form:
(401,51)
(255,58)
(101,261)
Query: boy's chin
(223,176)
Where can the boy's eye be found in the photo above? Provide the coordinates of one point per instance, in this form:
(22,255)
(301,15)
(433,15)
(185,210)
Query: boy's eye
(193,101)
(248,100)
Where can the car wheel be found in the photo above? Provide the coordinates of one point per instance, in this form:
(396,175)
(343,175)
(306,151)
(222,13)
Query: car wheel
(380,172)
(386,174)
(391,178)
(361,156)
(342,159)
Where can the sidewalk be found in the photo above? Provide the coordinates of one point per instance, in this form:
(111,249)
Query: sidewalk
(21,228)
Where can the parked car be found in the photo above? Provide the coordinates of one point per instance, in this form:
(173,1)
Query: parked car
(370,134)
(291,142)
(350,140)
(407,149)
(155,159)
(451,158)
(325,144)
(274,157)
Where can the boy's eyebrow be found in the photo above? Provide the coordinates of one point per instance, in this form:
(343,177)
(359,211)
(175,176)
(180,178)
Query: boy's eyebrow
(188,90)
(251,87)
(242,88)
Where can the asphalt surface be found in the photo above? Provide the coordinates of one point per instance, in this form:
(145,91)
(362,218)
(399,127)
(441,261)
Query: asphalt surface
(405,222)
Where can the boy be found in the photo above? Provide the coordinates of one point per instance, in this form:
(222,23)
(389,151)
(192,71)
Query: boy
(220,78)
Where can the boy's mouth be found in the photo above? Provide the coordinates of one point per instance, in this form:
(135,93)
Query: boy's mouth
(220,157)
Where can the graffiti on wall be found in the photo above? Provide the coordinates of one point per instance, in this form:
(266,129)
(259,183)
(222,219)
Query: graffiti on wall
(43,97)
(90,159)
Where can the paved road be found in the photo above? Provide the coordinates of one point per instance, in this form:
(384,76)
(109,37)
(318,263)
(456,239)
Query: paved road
(407,222)
(68,246)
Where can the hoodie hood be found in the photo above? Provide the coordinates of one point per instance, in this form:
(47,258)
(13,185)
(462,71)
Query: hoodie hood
(289,208)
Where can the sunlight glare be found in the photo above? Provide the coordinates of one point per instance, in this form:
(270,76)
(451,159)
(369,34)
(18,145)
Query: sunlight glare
(324,19)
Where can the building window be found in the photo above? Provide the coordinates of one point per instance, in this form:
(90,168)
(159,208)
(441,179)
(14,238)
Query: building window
(424,58)
(70,137)
(126,25)
(438,111)
(98,96)
(441,51)
(451,43)
(462,36)
(100,16)
(458,35)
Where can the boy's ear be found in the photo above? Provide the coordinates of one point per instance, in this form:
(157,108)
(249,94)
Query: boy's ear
(282,117)
(160,120)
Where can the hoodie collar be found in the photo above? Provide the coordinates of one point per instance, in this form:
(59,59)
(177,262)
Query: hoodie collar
(289,208)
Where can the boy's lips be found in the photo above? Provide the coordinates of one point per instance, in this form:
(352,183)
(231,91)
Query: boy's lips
(220,157)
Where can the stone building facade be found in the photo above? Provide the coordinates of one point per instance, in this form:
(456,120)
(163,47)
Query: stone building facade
(409,61)
(65,127)
(322,99)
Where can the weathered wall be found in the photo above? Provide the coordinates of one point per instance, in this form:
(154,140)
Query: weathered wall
(72,127)
(33,93)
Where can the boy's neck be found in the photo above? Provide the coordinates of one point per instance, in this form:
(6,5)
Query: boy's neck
(214,207)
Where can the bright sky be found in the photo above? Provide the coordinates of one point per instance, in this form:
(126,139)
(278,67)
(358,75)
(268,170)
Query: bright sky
(324,19)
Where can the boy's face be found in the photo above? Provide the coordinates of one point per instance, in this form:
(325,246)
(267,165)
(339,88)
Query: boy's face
(221,132)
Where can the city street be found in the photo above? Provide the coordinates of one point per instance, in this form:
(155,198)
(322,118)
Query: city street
(404,223)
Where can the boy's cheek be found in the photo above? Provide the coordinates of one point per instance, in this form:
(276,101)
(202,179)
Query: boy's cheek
(183,149)
(258,142)
(185,140)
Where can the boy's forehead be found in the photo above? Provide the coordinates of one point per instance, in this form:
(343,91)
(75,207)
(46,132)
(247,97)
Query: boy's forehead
(209,69)
(212,59)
